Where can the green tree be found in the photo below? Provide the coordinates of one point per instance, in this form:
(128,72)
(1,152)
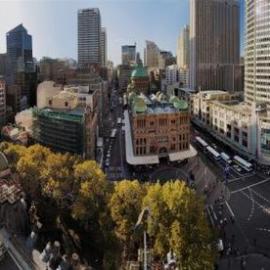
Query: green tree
(125,206)
(178,223)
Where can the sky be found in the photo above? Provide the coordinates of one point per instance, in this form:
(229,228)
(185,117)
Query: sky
(53,24)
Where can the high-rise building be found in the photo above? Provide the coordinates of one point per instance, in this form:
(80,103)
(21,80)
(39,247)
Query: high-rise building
(21,68)
(19,50)
(257,59)
(89,37)
(151,55)
(103,46)
(214,43)
(3,64)
(128,54)
(182,54)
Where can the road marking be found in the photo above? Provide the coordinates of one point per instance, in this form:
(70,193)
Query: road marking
(252,205)
(260,196)
(252,185)
(230,209)
(240,178)
(264,209)
(263,230)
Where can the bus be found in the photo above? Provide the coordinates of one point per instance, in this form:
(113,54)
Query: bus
(213,152)
(119,121)
(113,133)
(243,163)
(201,142)
(225,157)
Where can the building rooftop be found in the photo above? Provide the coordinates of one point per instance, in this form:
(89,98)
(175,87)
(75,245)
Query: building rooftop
(74,115)
(234,105)
(139,72)
(155,103)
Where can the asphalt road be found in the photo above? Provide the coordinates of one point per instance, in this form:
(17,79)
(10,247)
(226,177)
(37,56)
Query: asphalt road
(248,206)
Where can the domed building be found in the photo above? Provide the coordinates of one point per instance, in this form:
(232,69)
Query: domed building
(139,80)
(156,127)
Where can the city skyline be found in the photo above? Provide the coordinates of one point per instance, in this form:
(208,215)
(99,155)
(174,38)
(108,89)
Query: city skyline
(161,18)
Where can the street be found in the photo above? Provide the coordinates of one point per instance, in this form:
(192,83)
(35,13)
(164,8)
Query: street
(242,219)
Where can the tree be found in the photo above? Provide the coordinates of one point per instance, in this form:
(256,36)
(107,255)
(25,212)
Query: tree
(178,223)
(125,206)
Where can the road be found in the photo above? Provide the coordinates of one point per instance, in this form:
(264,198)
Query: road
(248,207)
(117,168)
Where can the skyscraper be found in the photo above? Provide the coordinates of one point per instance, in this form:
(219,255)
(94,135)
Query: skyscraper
(214,44)
(257,57)
(151,55)
(182,54)
(103,47)
(128,54)
(89,37)
(19,50)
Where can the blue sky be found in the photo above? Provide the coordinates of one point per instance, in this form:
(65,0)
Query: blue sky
(53,24)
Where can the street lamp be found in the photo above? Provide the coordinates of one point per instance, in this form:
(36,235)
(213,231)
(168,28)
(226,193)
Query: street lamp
(145,213)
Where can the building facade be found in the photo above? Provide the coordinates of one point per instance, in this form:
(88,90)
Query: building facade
(68,123)
(21,67)
(139,80)
(103,44)
(128,55)
(89,37)
(151,55)
(157,126)
(123,74)
(19,50)
(214,44)
(257,59)
(172,74)
(2,102)
(182,54)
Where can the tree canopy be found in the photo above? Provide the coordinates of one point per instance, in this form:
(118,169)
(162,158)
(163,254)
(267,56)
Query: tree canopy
(105,214)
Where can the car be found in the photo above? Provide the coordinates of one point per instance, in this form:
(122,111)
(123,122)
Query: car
(237,168)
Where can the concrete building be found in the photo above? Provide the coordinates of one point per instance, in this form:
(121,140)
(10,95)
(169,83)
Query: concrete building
(165,59)
(156,126)
(58,70)
(257,59)
(3,64)
(129,54)
(89,37)
(214,44)
(68,122)
(151,55)
(182,53)
(2,102)
(123,74)
(103,44)
(172,74)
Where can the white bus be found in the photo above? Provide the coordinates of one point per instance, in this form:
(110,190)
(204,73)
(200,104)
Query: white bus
(226,158)
(201,142)
(213,152)
(113,133)
(243,163)
(119,121)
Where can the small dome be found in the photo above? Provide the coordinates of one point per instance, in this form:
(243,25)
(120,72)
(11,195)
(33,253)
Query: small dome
(180,105)
(139,72)
(139,105)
